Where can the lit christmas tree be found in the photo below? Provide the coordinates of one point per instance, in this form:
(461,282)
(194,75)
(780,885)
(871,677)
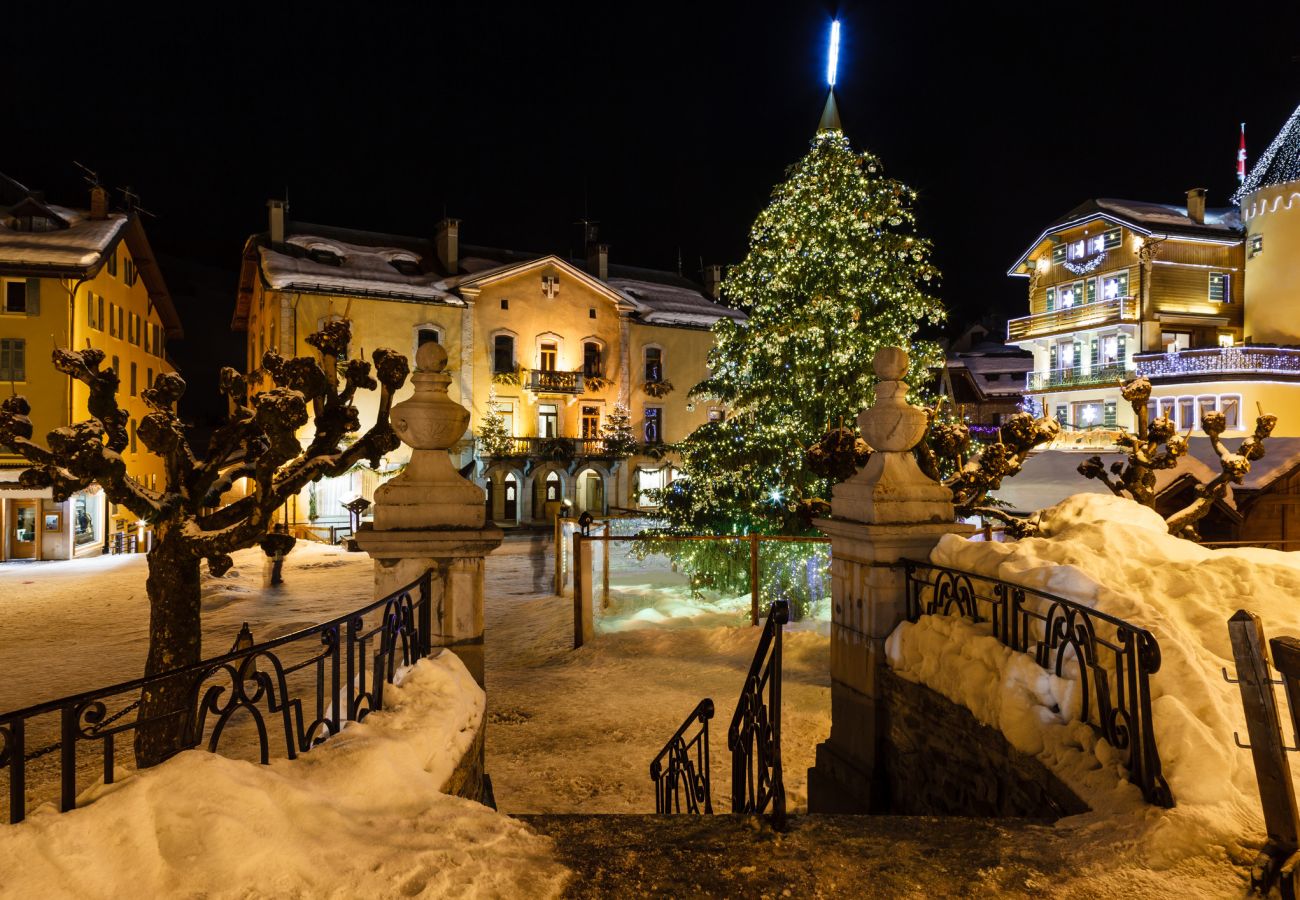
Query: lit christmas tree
(835,271)
(616,432)
(493,437)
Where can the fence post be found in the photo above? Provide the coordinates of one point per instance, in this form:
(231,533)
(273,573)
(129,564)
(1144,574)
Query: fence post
(559,556)
(753,579)
(583,629)
(1276,792)
(604,586)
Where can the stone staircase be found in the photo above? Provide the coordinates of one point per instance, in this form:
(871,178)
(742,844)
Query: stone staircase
(817,856)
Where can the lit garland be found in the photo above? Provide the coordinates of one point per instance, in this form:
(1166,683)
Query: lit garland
(1084,268)
(1279,164)
(1222,360)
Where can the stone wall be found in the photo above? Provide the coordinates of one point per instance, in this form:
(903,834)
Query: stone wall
(938,759)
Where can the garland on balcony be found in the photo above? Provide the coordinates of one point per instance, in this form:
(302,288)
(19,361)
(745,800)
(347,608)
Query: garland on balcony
(658,389)
(510,376)
(595,383)
(556,450)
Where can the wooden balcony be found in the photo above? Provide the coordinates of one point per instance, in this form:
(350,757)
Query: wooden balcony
(1073,318)
(1221,364)
(541,381)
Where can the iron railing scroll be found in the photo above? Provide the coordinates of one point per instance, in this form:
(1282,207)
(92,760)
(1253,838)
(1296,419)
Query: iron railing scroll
(305,685)
(1114,659)
(754,737)
(681,770)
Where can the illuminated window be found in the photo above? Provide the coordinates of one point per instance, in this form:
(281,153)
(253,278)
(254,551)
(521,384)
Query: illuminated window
(552,486)
(1219,292)
(1167,408)
(1204,405)
(1256,244)
(1225,340)
(1186,413)
(648,480)
(548,355)
(1230,406)
(653,428)
(1078,249)
(1175,341)
(548,420)
(591,421)
(1109,350)
(1115,286)
(717,414)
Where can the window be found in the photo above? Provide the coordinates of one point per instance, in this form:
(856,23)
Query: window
(548,355)
(591,313)
(1078,249)
(1058,253)
(1167,410)
(129,272)
(134,449)
(1219,292)
(426,336)
(1060,413)
(159,348)
(120,315)
(591,421)
(1230,406)
(408,267)
(16,297)
(1068,295)
(112,263)
(592,365)
(505,304)
(83,520)
(1065,355)
(13,359)
(1186,413)
(653,425)
(552,486)
(135,329)
(1109,350)
(503,354)
(148,377)
(648,480)
(1051,299)
(654,365)
(1174,341)
(1225,340)
(548,420)
(1089,414)
(717,414)
(1256,244)
(507,410)
(133,371)
(1111,415)
(1114,286)
(1204,405)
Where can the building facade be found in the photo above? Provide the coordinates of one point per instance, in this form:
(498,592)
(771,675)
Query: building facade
(556,345)
(76,278)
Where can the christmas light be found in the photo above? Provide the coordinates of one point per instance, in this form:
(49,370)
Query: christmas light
(833,61)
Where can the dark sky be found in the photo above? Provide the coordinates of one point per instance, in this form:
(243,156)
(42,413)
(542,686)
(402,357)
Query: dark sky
(668,122)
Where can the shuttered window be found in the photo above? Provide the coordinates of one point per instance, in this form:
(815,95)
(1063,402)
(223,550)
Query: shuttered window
(1219,288)
(13,359)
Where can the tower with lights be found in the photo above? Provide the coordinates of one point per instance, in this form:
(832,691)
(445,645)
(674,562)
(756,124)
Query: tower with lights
(1270,210)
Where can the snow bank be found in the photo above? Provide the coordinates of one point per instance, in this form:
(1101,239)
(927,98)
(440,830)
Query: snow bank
(359,816)
(1113,555)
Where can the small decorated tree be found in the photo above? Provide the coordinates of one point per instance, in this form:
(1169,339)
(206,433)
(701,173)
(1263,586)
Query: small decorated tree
(259,442)
(616,432)
(494,439)
(1158,445)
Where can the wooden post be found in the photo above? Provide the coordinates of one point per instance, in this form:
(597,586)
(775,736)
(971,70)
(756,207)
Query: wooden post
(559,557)
(753,579)
(1276,792)
(604,586)
(583,628)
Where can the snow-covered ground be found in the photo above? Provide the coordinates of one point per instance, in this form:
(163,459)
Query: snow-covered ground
(1115,556)
(359,816)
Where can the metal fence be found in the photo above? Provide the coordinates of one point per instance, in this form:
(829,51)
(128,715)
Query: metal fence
(301,688)
(1112,659)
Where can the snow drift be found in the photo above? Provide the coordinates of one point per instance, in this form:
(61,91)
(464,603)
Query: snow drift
(361,815)
(1113,555)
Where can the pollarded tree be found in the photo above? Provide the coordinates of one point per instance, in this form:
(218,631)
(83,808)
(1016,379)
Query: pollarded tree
(259,442)
(835,271)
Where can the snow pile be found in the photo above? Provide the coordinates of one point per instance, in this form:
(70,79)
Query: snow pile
(1116,556)
(359,816)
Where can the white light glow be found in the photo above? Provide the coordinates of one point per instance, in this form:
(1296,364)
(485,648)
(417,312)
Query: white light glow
(833,61)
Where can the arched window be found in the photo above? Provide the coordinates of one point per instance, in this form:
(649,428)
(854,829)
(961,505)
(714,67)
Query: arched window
(552,486)
(654,365)
(503,354)
(548,354)
(593,365)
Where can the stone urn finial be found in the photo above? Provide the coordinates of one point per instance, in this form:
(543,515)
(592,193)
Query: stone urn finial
(891,488)
(430,493)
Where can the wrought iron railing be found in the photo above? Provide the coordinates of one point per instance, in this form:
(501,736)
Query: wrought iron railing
(552,382)
(340,680)
(681,770)
(754,737)
(1081,315)
(1114,660)
(1244,362)
(523,447)
(1075,376)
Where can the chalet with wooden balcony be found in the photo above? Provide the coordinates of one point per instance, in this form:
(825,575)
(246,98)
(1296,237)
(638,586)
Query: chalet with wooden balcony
(1114,281)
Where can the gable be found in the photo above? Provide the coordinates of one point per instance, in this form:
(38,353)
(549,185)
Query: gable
(545,280)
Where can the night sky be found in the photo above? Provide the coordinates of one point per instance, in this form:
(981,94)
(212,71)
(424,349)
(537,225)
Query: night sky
(666,122)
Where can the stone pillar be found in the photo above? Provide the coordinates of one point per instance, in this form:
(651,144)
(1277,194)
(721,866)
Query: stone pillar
(429,517)
(887,512)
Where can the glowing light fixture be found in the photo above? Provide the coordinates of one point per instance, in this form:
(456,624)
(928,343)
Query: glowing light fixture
(833,60)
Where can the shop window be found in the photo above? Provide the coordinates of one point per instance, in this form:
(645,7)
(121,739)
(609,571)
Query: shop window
(1060,414)
(1168,409)
(13,359)
(83,520)
(1225,340)
(503,354)
(1175,341)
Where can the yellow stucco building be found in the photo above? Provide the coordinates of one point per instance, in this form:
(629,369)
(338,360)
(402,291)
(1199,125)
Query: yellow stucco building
(76,278)
(557,344)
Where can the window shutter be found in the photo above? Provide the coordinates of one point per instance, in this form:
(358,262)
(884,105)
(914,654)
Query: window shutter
(1096,352)
(1092,290)
(33,296)
(1111,416)
(1051,299)
(1078,354)
(1123,350)
(1052,357)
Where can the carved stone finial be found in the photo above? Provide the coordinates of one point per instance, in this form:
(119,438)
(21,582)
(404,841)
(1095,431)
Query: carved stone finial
(891,424)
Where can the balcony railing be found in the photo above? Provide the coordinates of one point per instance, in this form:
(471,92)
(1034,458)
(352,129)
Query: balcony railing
(1243,362)
(542,381)
(1083,315)
(558,447)
(1075,376)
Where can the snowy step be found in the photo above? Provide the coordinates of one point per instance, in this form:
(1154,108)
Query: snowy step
(857,856)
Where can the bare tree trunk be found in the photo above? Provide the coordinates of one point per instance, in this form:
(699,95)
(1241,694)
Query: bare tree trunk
(175,641)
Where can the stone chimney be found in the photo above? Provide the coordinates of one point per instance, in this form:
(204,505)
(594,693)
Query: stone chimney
(713,281)
(277,213)
(1196,205)
(447,243)
(598,260)
(98,202)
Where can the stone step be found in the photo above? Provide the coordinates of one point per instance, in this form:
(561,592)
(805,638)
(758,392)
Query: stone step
(817,856)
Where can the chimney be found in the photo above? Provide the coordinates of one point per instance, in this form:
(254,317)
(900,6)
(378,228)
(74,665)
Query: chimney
(278,211)
(1196,205)
(713,281)
(447,243)
(598,260)
(98,202)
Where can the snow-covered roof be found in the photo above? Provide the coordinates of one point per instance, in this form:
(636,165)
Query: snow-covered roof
(995,375)
(671,304)
(365,265)
(1280,163)
(80,247)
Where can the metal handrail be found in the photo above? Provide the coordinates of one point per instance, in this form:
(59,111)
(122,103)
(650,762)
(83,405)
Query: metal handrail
(404,632)
(1116,696)
(687,767)
(754,737)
